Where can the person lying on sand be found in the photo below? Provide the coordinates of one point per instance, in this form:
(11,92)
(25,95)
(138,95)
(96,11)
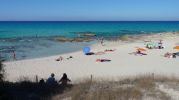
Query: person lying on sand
(59,59)
(90,53)
(97,53)
(100,53)
(170,55)
(174,55)
(103,60)
(109,50)
(138,52)
(69,57)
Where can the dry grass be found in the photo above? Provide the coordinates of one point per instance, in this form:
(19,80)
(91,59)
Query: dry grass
(132,88)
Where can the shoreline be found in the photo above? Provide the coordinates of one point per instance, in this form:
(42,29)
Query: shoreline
(53,42)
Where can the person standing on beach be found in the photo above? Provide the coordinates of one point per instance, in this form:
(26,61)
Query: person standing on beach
(14,55)
(102,41)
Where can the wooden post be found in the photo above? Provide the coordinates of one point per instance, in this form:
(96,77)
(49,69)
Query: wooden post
(91,77)
(36,79)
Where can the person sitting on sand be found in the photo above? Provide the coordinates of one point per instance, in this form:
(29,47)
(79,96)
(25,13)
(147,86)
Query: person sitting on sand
(51,79)
(41,82)
(59,59)
(174,55)
(160,45)
(64,80)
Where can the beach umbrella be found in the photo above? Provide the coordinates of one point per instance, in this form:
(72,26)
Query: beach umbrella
(141,49)
(150,44)
(86,50)
(176,47)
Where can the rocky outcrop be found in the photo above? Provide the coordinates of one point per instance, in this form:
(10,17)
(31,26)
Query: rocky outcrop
(86,34)
(76,39)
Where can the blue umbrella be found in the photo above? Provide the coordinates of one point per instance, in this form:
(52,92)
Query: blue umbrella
(86,50)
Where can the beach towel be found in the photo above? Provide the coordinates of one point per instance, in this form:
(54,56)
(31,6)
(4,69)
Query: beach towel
(90,53)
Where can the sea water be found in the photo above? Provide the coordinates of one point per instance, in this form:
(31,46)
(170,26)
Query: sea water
(31,39)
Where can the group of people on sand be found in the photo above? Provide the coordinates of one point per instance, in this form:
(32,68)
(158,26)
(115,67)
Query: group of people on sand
(151,45)
(159,46)
(61,58)
(100,52)
(52,81)
(170,55)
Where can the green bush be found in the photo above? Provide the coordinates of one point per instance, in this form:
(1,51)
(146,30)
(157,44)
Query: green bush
(124,37)
(1,71)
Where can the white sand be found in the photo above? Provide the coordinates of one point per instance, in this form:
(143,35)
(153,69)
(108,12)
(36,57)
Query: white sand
(82,66)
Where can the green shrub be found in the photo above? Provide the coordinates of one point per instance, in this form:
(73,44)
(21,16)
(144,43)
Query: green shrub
(1,71)
(124,38)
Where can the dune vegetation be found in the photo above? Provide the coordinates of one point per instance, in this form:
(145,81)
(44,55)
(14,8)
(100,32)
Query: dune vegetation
(142,87)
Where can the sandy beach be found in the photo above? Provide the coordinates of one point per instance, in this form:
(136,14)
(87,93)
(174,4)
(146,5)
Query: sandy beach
(121,64)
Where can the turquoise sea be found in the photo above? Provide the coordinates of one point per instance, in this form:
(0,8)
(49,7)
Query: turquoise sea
(32,39)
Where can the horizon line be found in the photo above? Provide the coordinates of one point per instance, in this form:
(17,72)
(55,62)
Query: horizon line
(87,20)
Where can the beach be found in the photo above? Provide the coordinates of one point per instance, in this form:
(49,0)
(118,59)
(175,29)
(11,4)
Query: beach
(89,50)
(83,66)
